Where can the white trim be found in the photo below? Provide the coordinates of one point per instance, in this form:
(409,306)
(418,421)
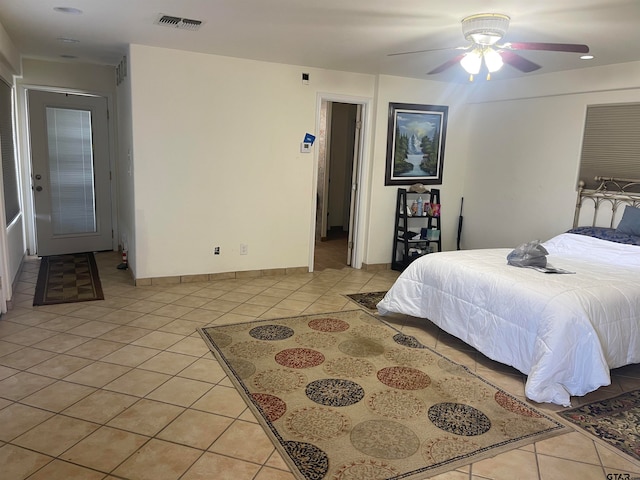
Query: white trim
(362,206)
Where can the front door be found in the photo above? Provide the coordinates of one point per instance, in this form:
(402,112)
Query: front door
(70,172)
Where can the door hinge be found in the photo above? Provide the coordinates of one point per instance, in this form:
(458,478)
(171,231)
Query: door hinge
(350,245)
(359,124)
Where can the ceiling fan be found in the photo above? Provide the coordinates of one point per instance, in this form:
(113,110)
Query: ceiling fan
(484,31)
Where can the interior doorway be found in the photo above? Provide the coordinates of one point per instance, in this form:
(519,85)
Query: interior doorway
(339,154)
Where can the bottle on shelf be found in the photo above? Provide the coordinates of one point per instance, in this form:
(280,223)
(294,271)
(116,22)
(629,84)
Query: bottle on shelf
(420,206)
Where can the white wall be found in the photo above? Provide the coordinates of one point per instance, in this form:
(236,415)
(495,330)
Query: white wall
(12,244)
(525,139)
(216,153)
(383,198)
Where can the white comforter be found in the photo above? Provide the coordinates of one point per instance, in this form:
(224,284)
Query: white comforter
(565,331)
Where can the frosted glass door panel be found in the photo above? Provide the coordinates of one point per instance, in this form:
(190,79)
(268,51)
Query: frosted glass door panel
(71,172)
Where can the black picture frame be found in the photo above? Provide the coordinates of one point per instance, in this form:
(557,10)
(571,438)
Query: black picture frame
(420,129)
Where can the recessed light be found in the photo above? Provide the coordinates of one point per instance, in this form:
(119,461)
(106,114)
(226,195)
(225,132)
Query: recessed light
(586,57)
(69,10)
(67,40)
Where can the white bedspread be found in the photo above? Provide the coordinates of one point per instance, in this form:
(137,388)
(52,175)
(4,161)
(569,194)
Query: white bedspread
(565,331)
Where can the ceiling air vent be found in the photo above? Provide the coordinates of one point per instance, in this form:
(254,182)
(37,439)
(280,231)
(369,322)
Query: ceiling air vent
(177,22)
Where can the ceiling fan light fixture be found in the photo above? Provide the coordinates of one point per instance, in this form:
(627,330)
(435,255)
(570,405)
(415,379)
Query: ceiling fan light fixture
(485,28)
(472,61)
(492,60)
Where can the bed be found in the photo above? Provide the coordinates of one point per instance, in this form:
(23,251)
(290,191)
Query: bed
(564,331)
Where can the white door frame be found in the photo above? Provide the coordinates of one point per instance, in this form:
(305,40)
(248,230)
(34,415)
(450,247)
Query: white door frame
(26,166)
(361,204)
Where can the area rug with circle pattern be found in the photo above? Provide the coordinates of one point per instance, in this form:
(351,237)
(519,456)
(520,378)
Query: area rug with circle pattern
(345,396)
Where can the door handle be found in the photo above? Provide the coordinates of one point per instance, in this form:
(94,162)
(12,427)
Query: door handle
(38,188)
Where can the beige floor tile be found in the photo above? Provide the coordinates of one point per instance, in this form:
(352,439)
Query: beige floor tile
(276,461)
(61,343)
(6,348)
(55,435)
(572,446)
(63,323)
(193,346)
(205,370)
(146,417)
(195,429)
(173,311)
(211,465)
(16,419)
(22,384)
(58,396)
(130,355)
(24,358)
(191,301)
(181,326)
(266,473)
(97,374)
(249,310)
(10,328)
(202,316)
(219,305)
(144,306)
(150,321)
(168,362)
(91,311)
(94,349)
(18,463)
(180,391)
(59,470)
(104,449)
(137,382)
(92,328)
(553,468)
(222,401)
(504,465)
(159,340)
(233,442)
(30,336)
(101,406)
(613,458)
(124,334)
(6,372)
(121,317)
(165,297)
(60,366)
(159,460)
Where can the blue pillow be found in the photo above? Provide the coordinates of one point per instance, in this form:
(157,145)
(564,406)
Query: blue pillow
(630,221)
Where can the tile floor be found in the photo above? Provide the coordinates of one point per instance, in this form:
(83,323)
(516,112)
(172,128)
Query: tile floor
(126,389)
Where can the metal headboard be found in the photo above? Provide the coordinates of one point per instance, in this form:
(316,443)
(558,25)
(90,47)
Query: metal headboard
(614,192)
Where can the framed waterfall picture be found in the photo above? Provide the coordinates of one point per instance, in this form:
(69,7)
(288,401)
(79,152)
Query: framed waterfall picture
(415,144)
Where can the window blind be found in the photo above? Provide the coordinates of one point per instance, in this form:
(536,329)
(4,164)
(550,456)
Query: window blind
(611,142)
(9,173)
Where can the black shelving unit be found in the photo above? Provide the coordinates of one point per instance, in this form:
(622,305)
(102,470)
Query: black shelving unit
(415,234)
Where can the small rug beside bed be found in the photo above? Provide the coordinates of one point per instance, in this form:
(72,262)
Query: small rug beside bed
(368,300)
(67,279)
(614,420)
(344,395)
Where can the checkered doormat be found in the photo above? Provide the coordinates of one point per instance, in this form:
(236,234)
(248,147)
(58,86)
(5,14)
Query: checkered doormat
(67,279)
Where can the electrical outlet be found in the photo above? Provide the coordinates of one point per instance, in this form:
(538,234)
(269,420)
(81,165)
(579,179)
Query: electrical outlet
(244,249)
(216,250)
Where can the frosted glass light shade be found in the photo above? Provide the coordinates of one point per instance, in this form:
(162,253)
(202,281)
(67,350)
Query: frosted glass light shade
(492,60)
(472,62)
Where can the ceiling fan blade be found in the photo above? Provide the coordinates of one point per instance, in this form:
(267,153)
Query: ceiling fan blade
(552,47)
(427,50)
(519,62)
(447,64)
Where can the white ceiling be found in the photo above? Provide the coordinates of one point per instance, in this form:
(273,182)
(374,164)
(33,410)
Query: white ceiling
(350,35)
